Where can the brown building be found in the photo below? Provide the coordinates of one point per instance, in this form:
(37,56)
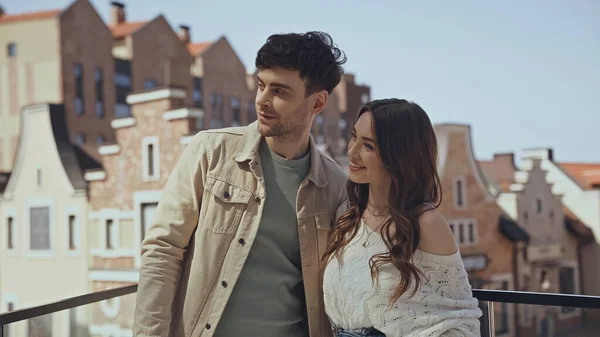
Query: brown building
(332,127)
(487,238)
(147,54)
(551,261)
(60,57)
(125,192)
(220,83)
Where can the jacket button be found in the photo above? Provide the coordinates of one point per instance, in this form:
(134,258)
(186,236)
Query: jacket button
(207,326)
(226,195)
(224,284)
(257,200)
(242,241)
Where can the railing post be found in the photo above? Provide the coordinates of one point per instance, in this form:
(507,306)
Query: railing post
(491,327)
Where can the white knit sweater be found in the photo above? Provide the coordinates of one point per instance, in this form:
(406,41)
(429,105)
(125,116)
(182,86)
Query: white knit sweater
(442,306)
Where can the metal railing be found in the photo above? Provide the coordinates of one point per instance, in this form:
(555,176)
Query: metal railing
(488,296)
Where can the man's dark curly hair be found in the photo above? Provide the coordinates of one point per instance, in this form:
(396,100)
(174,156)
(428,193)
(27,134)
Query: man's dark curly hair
(313,54)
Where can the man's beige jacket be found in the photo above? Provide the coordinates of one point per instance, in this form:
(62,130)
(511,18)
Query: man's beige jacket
(204,227)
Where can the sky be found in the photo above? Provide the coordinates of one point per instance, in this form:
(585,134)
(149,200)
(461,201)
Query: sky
(523,74)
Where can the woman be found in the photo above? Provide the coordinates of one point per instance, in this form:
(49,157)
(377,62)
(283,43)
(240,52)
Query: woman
(392,266)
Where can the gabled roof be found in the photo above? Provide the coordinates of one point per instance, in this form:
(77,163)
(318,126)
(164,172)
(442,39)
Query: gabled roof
(38,15)
(198,48)
(126,28)
(511,230)
(587,175)
(498,173)
(575,226)
(75,161)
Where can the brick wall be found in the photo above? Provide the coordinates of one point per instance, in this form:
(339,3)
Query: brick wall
(124,169)
(158,54)
(85,39)
(224,74)
(485,211)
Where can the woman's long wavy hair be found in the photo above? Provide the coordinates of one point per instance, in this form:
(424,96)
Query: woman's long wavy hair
(407,147)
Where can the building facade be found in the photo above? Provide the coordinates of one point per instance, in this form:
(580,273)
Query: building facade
(550,262)
(126,192)
(487,238)
(43,212)
(59,57)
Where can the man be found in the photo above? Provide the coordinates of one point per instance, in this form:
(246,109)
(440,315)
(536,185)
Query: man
(244,218)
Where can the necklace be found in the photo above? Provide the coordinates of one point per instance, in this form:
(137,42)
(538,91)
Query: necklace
(370,230)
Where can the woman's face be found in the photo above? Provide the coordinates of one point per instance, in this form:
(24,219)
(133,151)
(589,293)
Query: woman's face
(366,166)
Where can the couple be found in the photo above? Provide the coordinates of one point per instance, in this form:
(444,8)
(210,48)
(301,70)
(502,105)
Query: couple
(258,233)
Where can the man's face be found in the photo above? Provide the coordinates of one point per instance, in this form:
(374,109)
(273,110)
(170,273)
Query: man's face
(282,107)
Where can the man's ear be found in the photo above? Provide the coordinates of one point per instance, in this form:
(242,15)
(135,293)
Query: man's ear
(320,101)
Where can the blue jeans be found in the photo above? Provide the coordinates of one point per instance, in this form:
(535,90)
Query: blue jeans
(338,331)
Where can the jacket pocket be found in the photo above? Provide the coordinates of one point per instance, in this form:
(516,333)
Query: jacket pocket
(324,225)
(223,205)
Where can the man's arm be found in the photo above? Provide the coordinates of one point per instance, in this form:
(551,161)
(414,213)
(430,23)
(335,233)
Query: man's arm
(174,222)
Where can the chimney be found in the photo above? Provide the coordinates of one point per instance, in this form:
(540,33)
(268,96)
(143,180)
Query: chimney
(505,158)
(117,13)
(184,34)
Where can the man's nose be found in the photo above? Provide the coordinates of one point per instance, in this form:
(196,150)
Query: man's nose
(262,98)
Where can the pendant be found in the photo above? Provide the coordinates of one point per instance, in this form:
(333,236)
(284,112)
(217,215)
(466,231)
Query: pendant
(366,244)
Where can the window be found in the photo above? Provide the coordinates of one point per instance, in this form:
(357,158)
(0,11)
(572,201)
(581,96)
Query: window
(148,210)
(501,313)
(40,326)
(10,306)
(110,234)
(460,192)
(364,98)
(10,227)
(71,232)
(200,123)
(122,110)
(235,110)
(150,159)
(11,49)
(525,216)
(39,177)
(251,111)
(567,284)
(39,219)
(100,139)
(80,139)
(538,205)
(216,102)
(149,83)
(465,231)
(123,84)
(99,77)
(197,93)
(78,74)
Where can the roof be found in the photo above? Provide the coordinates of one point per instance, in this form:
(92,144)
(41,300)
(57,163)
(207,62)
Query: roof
(74,159)
(3,180)
(576,226)
(38,15)
(501,170)
(198,48)
(126,28)
(587,175)
(511,230)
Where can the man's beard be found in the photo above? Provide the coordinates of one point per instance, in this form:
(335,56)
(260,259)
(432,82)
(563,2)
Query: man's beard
(290,128)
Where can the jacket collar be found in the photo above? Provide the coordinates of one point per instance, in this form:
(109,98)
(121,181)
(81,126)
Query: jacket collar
(247,150)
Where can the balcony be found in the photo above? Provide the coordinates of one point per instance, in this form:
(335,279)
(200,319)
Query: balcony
(541,314)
